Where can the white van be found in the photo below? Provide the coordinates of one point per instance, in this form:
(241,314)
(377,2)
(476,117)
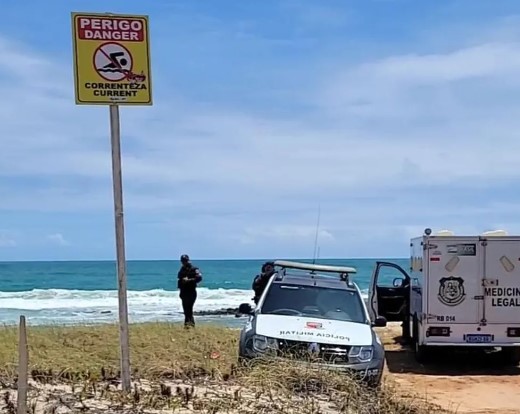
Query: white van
(461,291)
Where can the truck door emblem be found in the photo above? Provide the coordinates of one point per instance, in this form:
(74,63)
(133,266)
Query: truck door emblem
(451,291)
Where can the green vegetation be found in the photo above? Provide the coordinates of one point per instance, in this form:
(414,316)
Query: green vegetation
(179,370)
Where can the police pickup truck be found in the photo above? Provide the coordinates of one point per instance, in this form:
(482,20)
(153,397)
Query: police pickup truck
(314,310)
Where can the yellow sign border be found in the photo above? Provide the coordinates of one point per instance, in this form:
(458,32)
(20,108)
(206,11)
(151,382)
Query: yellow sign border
(75,57)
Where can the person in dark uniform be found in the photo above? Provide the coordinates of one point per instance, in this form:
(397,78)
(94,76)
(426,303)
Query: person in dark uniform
(188,278)
(261,280)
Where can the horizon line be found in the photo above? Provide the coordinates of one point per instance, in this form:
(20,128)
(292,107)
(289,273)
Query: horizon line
(198,260)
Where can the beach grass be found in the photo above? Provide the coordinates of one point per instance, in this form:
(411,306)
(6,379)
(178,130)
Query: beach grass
(179,370)
(158,350)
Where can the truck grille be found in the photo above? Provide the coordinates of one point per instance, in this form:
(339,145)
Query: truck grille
(328,353)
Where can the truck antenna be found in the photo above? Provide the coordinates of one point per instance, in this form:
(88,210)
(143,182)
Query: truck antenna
(316,249)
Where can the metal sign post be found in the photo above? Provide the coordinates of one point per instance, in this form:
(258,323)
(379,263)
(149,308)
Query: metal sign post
(117,180)
(23,368)
(112,67)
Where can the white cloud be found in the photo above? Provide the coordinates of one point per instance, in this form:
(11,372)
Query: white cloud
(285,155)
(428,87)
(312,15)
(280,233)
(57,238)
(393,127)
(7,239)
(490,59)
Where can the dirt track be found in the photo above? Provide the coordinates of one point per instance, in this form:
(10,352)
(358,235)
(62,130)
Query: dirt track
(465,384)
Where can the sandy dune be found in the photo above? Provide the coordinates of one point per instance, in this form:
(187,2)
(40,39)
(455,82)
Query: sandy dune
(467,384)
(463,383)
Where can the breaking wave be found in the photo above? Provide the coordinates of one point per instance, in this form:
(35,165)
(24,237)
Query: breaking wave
(64,306)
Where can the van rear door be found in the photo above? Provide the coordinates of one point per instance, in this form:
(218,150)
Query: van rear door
(454,280)
(502,281)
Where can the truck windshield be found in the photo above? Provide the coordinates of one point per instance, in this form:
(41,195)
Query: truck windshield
(312,301)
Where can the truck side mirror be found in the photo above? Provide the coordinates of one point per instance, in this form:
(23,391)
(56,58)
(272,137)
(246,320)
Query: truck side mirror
(398,282)
(245,309)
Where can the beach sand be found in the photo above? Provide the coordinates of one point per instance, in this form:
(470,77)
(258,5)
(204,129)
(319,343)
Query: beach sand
(456,383)
(463,383)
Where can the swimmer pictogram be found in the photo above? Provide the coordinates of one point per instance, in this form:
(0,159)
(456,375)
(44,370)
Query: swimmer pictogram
(113,62)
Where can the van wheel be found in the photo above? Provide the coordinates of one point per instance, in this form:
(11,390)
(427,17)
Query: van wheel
(421,353)
(511,355)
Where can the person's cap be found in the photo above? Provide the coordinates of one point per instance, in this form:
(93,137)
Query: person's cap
(185,258)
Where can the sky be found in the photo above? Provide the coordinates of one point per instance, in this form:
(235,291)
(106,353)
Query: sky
(383,117)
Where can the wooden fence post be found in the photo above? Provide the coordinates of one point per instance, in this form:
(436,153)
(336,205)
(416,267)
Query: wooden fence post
(23,368)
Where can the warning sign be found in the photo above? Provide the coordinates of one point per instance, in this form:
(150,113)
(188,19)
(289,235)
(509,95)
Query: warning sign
(111,59)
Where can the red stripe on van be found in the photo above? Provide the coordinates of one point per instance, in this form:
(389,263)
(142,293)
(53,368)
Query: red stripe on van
(435,259)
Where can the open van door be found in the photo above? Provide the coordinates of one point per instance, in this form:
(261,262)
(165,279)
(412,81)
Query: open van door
(389,294)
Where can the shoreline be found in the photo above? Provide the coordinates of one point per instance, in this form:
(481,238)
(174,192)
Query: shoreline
(221,321)
(223,316)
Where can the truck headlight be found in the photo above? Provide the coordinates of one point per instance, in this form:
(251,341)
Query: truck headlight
(263,343)
(361,354)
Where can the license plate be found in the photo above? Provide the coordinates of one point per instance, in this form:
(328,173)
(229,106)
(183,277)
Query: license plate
(479,338)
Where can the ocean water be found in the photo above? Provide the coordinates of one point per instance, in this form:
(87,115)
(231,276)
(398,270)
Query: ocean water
(86,292)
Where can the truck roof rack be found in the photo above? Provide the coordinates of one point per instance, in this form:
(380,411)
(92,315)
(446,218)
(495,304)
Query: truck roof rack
(344,271)
(314,267)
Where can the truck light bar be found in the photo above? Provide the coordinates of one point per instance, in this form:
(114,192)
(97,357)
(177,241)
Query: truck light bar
(314,267)
(438,331)
(513,332)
